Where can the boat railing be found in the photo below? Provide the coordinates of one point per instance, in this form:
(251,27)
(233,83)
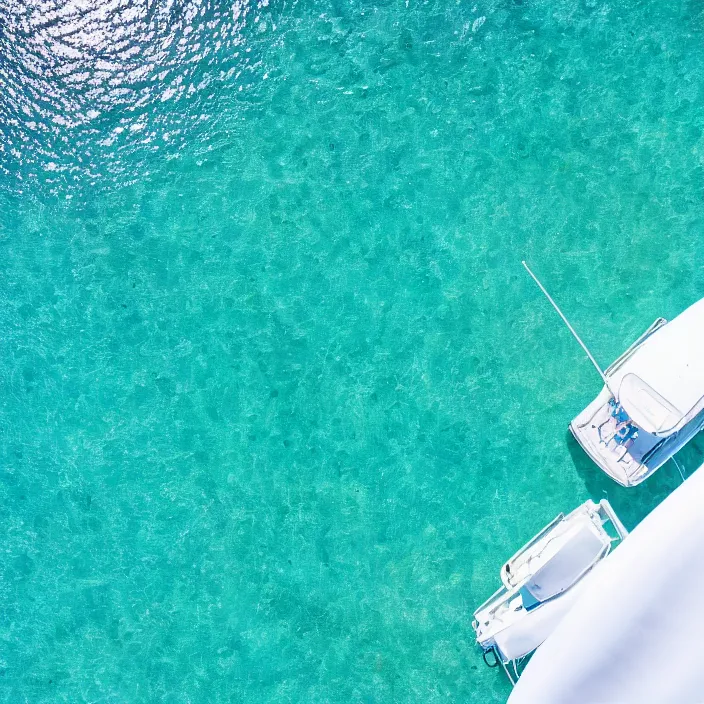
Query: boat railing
(535,539)
(499,592)
(606,512)
(655,326)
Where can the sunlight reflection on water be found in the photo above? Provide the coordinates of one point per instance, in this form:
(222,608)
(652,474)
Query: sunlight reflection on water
(90,90)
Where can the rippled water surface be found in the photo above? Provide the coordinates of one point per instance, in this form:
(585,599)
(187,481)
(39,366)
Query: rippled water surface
(97,91)
(277,397)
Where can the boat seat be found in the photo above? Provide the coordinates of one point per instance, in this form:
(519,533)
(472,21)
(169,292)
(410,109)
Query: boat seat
(618,412)
(646,407)
(528,600)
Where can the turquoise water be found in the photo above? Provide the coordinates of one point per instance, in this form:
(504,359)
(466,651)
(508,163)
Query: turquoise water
(277,396)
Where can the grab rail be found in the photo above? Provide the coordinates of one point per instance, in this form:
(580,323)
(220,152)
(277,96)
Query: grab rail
(608,511)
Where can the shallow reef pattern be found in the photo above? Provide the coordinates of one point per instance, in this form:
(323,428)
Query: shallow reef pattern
(277,396)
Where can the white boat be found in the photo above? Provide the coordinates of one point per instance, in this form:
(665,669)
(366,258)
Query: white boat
(541,582)
(634,636)
(652,403)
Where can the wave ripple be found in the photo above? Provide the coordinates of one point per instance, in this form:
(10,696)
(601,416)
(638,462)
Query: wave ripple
(86,85)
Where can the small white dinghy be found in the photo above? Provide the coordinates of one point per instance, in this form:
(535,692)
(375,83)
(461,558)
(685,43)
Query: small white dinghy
(541,582)
(652,403)
(634,636)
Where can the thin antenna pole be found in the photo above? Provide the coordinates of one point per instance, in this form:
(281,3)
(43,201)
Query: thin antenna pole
(571,329)
(679,469)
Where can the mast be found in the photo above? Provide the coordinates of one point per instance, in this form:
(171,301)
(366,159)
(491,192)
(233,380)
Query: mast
(570,328)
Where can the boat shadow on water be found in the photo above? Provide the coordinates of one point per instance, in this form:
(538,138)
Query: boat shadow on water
(633,504)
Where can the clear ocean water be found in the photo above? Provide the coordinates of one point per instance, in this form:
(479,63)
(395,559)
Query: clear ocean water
(276,396)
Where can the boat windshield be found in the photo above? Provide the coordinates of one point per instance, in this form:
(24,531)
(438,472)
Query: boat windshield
(577,555)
